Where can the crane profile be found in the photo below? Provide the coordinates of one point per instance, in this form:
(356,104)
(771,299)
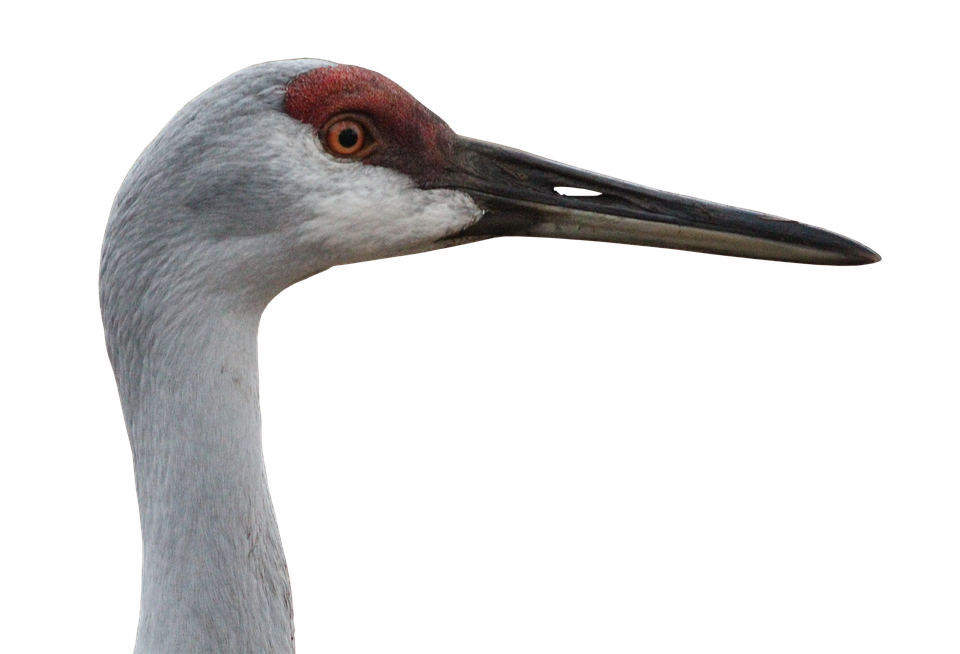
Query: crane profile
(277,173)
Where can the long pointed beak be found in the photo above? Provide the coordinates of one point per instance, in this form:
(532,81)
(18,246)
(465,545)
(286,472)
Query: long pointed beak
(517,192)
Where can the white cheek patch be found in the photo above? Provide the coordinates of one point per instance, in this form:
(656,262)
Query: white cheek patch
(363,212)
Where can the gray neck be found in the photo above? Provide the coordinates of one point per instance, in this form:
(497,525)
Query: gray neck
(214,574)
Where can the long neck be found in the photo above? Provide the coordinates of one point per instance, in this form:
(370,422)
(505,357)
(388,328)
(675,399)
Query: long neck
(214,575)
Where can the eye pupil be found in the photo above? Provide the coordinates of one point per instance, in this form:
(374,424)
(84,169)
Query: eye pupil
(348,137)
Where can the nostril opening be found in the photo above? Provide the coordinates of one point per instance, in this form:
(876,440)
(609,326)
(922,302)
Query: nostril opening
(574,192)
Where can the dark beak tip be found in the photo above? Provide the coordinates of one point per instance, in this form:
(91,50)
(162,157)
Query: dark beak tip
(863,256)
(874,258)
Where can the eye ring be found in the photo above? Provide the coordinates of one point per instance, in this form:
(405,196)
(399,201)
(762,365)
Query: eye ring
(347,136)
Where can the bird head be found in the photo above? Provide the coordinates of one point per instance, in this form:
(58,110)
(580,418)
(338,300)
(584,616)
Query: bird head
(288,168)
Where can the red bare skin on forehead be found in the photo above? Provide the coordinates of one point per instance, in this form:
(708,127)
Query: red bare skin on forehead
(411,138)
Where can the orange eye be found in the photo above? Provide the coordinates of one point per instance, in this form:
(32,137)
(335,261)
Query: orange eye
(346,137)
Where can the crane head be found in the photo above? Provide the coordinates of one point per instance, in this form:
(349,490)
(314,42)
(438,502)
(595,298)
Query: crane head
(287,168)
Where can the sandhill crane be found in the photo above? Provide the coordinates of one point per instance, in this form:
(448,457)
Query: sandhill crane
(279,172)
